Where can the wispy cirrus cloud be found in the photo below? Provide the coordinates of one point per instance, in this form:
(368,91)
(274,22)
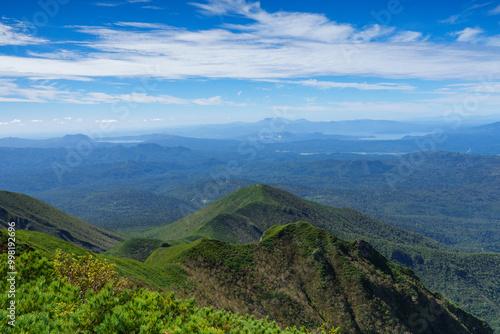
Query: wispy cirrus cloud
(10,91)
(212,101)
(407,37)
(452,19)
(216,101)
(476,35)
(116,4)
(143,25)
(9,35)
(97,97)
(468,34)
(107,4)
(356,85)
(467,12)
(495,11)
(106,121)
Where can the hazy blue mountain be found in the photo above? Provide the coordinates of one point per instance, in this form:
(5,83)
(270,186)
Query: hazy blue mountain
(301,126)
(68,140)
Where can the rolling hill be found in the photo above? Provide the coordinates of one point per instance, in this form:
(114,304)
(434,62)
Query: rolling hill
(136,248)
(34,215)
(245,214)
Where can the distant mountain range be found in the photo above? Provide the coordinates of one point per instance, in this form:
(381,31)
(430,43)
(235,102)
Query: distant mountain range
(68,140)
(295,137)
(240,130)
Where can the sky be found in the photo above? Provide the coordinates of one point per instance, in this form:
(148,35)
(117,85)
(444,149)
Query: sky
(74,66)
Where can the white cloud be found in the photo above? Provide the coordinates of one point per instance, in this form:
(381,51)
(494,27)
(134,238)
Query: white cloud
(212,54)
(61,77)
(468,34)
(452,19)
(12,92)
(36,121)
(106,121)
(371,33)
(461,17)
(304,26)
(213,101)
(216,101)
(95,97)
(152,7)
(59,54)
(495,11)
(407,37)
(493,41)
(107,4)
(116,4)
(356,85)
(143,25)
(222,7)
(9,36)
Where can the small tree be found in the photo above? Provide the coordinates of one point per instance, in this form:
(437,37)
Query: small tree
(87,273)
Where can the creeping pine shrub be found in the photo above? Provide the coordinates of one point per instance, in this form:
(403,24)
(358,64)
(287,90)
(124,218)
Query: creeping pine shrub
(87,273)
(49,300)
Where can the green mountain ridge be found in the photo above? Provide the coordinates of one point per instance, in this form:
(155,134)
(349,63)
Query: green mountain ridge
(245,214)
(304,276)
(32,214)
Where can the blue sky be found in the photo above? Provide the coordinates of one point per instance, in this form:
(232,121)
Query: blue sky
(110,66)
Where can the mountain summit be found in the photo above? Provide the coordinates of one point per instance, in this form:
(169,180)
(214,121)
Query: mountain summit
(245,214)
